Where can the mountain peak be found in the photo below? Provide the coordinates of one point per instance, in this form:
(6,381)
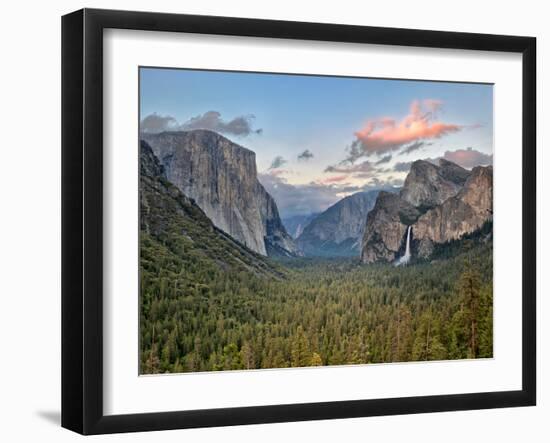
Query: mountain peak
(453,172)
(421,163)
(149,164)
(205,137)
(428,185)
(441,202)
(339,229)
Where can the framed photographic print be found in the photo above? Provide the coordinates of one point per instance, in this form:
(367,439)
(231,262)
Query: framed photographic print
(269,221)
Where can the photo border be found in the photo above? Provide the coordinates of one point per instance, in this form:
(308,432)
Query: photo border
(82,220)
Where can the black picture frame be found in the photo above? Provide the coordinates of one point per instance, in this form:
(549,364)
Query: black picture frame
(82,218)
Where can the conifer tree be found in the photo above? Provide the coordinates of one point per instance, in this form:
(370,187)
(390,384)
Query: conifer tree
(300,354)
(469,288)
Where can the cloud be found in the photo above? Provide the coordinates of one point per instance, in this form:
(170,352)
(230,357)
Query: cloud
(432,105)
(396,182)
(382,135)
(384,159)
(468,158)
(211,120)
(154,123)
(299,199)
(309,198)
(363,167)
(414,147)
(402,166)
(277,172)
(334,179)
(363,170)
(306,155)
(277,162)
(350,189)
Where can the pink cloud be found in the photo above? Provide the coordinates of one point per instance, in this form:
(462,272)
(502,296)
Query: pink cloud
(468,158)
(276,172)
(387,134)
(432,105)
(335,179)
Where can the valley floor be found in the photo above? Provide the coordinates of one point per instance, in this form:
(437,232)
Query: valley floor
(313,312)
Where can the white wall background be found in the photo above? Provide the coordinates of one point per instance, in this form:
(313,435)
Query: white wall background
(30,220)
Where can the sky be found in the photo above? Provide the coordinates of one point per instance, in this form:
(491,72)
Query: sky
(319,138)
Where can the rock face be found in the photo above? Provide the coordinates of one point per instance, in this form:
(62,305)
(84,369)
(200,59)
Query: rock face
(428,185)
(338,230)
(173,223)
(441,203)
(296,224)
(221,177)
(459,215)
(386,227)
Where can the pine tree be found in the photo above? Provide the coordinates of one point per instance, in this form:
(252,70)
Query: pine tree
(315,360)
(300,355)
(469,288)
(486,323)
(152,364)
(232,357)
(247,356)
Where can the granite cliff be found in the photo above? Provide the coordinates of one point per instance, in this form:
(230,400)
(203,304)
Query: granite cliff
(174,230)
(221,177)
(386,227)
(428,185)
(338,230)
(295,224)
(461,214)
(441,202)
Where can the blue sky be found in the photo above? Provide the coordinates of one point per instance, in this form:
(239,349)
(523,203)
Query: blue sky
(358,132)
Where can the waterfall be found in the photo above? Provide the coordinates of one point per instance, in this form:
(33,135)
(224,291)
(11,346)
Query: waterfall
(407,256)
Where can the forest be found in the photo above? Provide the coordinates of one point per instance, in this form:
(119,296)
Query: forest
(208,303)
(197,316)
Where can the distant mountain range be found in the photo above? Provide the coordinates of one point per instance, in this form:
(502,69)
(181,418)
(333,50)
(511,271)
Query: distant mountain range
(205,179)
(338,231)
(295,224)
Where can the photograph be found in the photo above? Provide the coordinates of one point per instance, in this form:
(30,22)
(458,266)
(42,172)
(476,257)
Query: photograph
(270,222)
(291,220)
